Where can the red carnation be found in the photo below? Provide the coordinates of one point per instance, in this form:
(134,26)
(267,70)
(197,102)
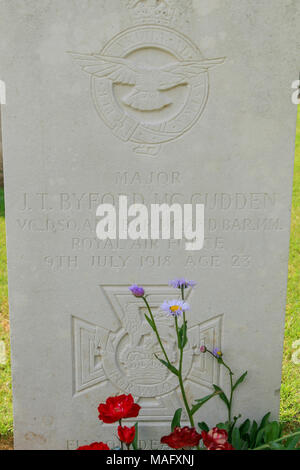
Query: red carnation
(95,446)
(216,439)
(225,446)
(214,436)
(126,434)
(182,438)
(117,408)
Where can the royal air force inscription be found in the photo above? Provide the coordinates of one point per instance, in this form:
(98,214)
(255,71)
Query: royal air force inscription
(73,214)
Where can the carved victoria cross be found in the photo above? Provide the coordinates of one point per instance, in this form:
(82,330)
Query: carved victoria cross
(124,359)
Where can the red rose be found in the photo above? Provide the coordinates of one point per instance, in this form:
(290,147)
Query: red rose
(126,434)
(117,408)
(95,446)
(182,438)
(214,437)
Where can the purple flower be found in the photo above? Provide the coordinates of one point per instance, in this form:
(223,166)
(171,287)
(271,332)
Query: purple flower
(175,308)
(181,282)
(217,353)
(203,349)
(137,291)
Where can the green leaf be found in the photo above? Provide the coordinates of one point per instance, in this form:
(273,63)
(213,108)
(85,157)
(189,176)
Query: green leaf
(136,437)
(292,442)
(203,426)
(222,395)
(150,322)
(182,335)
(240,380)
(225,426)
(202,401)
(236,439)
(245,445)
(260,438)
(281,443)
(265,420)
(272,432)
(176,419)
(253,434)
(245,426)
(168,365)
(275,446)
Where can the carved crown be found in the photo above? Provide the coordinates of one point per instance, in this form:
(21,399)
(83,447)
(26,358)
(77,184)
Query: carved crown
(163,12)
(143,365)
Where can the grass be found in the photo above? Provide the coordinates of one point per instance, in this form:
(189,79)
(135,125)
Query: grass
(290,399)
(290,390)
(6,421)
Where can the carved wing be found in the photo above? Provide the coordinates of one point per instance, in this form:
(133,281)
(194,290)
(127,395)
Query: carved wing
(116,69)
(181,72)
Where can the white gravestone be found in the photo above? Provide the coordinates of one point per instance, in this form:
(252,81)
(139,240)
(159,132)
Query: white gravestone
(174,101)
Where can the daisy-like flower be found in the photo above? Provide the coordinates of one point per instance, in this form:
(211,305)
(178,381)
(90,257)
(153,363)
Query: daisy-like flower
(175,308)
(217,353)
(181,282)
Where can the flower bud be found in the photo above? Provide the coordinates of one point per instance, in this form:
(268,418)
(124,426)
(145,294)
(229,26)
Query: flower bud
(137,290)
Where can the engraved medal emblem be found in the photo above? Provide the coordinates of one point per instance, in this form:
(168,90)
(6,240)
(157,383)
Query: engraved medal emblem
(150,83)
(125,358)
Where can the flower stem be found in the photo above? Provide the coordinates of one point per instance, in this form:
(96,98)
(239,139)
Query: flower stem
(122,445)
(186,404)
(288,436)
(231,390)
(156,331)
(231,398)
(181,384)
(229,406)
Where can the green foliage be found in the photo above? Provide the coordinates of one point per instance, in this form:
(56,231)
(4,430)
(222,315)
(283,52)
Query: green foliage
(168,365)
(203,426)
(222,395)
(292,442)
(251,436)
(202,401)
(182,336)
(226,426)
(240,380)
(176,419)
(136,437)
(150,322)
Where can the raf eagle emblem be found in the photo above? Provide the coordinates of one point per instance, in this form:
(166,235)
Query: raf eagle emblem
(149,84)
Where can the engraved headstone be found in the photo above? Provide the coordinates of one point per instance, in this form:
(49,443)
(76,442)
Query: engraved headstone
(171,101)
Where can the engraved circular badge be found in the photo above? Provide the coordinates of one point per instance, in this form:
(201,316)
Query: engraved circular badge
(134,368)
(153,89)
(149,84)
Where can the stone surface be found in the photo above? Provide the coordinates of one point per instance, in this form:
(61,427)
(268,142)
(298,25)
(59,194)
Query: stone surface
(220,132)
